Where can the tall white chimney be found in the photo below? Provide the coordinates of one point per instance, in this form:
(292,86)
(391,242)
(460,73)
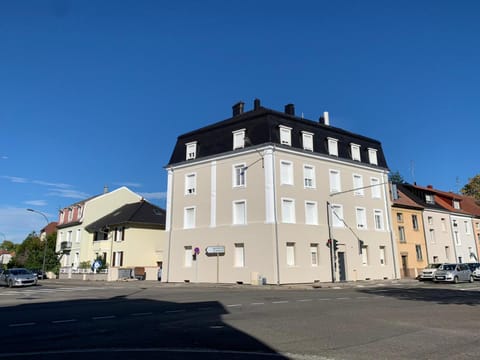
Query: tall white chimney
(325,117)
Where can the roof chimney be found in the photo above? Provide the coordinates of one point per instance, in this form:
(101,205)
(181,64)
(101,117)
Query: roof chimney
(429,186)
(290,109)
(237,109)
(105,189)
(256,104)
(326,119)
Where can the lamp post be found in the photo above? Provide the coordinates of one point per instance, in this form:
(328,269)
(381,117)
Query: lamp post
(46,240)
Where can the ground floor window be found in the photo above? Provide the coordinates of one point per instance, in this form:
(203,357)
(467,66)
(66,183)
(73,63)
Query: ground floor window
(239,255)
(188,256)
(291,254)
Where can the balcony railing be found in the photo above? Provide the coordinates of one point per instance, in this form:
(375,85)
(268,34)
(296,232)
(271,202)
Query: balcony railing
(66,245)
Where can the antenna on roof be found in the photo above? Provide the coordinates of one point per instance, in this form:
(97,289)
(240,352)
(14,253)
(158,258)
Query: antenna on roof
(457,185)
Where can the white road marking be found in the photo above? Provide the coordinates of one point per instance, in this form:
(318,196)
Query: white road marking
(304,300)
(258,303)
(22,324)
(280,302)
(104,317)
(64,321)
(234,305)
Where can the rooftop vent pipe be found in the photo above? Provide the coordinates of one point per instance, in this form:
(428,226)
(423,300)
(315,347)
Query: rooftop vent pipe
(237,109)
(256,104)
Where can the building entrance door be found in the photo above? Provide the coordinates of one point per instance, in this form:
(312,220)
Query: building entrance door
(342,276)
(405,265)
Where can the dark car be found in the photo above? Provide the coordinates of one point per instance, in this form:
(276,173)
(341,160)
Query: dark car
(17,277)
(473,266)
(39,273)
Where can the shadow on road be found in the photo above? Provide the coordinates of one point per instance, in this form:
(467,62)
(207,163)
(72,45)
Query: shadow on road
(439,296)
(121,327)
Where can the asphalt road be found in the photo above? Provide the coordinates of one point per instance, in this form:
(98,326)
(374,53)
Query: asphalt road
(142,320)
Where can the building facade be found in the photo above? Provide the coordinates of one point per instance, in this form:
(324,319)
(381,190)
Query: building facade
(258,196)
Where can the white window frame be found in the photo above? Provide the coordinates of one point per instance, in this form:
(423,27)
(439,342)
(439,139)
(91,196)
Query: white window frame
(332,146)
(311,213)
(309,182)
(361,218)
(78,237)
(355,152)
(239,175)
(239,257)
(383,259)
(238,139)
(190,184)
(358,185)
(335,181)
(307,140)
(191,150)
(429,199)
(70,214)
(375,186)
(285,135)
(189,214)
(119,234)
(290,253)
(456,204)
(314,255)
(372,156)
(288,211)
(378,215)
(286,172)
(239,212)
(364,255)
(337,220)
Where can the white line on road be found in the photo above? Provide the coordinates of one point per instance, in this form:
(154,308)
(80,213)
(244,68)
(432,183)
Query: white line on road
(103,317)
(304,300)
(323,299)
(342,298)
(64,321)
(257,303)
(22,324)
(142,314)
(280,302)
(234,305)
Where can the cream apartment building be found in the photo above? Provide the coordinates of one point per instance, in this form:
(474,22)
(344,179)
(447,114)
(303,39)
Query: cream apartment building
(255,198)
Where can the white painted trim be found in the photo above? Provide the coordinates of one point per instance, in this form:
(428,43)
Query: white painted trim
(269,187)
(213,195)
(169,200)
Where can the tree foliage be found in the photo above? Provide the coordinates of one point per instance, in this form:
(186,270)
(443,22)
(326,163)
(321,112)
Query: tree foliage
(396,178)
(8,245)
(31,251)
(472,188)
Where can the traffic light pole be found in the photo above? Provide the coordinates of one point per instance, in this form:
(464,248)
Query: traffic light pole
(333,256)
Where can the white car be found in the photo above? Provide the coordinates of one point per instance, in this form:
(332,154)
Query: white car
(429,272)
(476,274)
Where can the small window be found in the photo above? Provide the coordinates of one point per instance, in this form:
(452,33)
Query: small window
(429,199)
(311,213)
(355,152)
(337,215)
(364,255)
(456,204)
(378,218)
(239,255)
(117,258)
(290,254)
(309,176)
(238,139)
(79,211)
(119,233)
(70,214)
(415,222)
(240,212)
(401,234)
(335,185)
(191,150)
(444,224)
(239,175)
(288,211)
(190,184)
(467,227)
(285,135)
(307,140)
(79,236)
(358,185)
(400,217)
(332,146)
(314,254)
(372,156)
(430,220)
(189,218)
(286,173)
(376,189)
(418,250)
(188,256)
(382,256)
(361,218)
(433,238)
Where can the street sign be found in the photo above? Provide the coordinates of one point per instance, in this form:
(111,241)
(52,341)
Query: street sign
(215,250)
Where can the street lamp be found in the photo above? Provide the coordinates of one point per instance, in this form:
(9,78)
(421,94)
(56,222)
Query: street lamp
(46,240)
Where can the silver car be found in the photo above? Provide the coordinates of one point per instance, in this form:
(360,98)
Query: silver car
(429,272)
(17,277)
(453,273)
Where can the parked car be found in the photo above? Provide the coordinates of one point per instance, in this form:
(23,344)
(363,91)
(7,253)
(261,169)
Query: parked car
(429,272)
(476,274)
(40,274)
(453,273)
(473,266)
(17,277)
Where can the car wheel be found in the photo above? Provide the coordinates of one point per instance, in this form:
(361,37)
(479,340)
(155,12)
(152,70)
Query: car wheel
(471,279)
(10,283)
(455,279)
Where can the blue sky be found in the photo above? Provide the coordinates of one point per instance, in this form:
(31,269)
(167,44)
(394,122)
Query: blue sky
(95,93)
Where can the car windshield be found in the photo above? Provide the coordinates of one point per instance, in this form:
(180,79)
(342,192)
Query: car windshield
(433,266)
(20,272)
(448,267)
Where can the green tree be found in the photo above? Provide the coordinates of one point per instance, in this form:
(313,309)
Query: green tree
(8,245)
(396,178)
(472,188)
(31,251)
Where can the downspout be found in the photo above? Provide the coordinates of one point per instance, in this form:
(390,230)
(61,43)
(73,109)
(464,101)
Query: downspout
(277,253)
(169,221)
(388,211)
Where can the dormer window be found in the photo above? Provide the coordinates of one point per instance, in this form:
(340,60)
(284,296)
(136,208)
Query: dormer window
(238,139)
(285,135)
(307,140)
(456,204)
(372,156)
(355,151)
(332,146)
(62,216)
(429,199)
(79,211)
(191,150)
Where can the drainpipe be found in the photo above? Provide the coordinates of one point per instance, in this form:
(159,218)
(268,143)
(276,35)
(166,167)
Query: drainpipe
(169,217)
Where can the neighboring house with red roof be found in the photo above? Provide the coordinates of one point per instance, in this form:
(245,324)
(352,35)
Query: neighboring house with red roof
(408,227)
(51,228)
(5,257)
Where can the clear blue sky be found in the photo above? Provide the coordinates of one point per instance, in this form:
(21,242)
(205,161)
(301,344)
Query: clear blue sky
(95,93)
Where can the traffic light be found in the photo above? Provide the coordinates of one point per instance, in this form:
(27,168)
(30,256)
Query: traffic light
(335,245)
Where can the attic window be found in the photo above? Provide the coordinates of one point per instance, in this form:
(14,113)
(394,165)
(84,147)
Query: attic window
(191,150)
(456,204)
(355,152)
(285,135)
(332,146)
(307,140)
(238,139)
(70,214)
(429,199)
(372,156)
